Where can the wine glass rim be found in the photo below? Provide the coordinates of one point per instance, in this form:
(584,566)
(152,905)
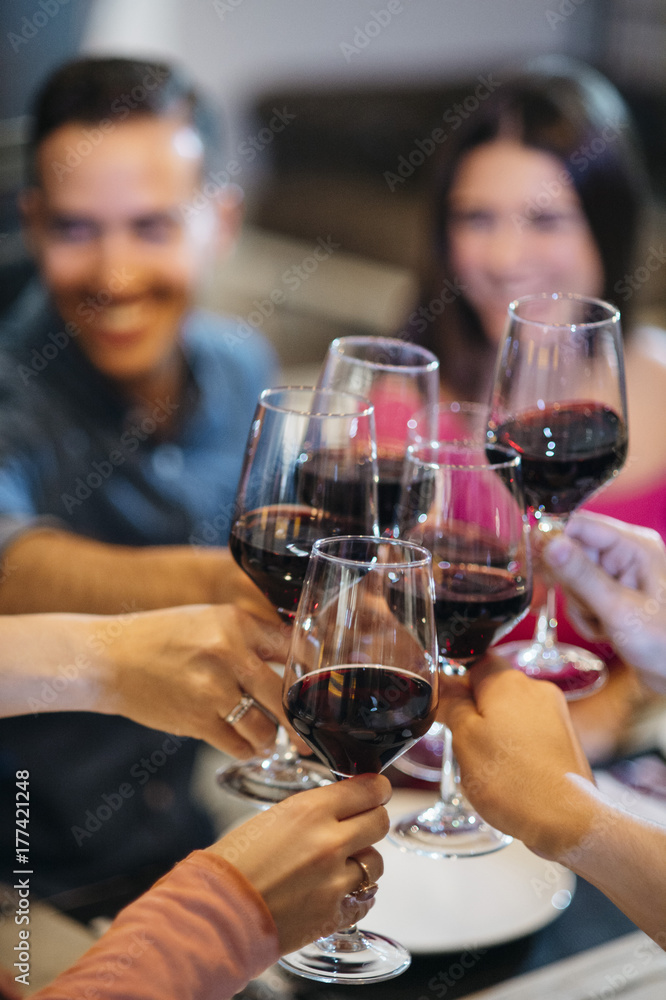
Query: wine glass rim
(511,462)
(430,362)
(366,409)
(423,555)
(612,317)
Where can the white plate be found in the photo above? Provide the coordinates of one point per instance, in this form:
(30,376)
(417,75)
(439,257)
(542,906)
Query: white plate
(452,904)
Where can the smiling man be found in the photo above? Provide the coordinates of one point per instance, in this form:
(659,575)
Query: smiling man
(123,419)
(115,251)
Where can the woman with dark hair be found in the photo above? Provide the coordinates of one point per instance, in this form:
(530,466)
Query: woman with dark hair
(542,188)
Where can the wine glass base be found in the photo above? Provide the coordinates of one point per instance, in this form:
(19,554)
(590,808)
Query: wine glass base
(266,781)
(366,958)
(576,672)
(442,832)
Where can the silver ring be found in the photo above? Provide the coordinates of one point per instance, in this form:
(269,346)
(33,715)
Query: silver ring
(367,889)
(239,710)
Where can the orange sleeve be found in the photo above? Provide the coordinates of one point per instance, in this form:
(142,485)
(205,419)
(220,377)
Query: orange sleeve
(201,932)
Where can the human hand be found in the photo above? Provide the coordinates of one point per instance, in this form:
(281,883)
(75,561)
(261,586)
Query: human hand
(184,669)
(614,576)
(517,752)
(299,855)
(231,585)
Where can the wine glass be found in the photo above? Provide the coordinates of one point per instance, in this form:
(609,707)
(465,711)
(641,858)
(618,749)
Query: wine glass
(309,472)
(448,420)
(467,507)
(559,400)
(399,379)
(361,686)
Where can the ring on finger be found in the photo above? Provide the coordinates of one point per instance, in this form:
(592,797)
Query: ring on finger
(239,710)
(368,888)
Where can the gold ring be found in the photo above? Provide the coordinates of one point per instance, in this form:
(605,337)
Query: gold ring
(239,710)
(367,889)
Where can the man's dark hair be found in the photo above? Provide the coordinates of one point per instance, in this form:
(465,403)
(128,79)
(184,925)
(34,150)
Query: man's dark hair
(94,90)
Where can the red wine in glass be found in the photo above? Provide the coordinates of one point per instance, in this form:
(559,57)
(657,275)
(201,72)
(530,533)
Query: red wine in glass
(389,470)
(567,450)
(337,487)
(358,718)
(272,545)
(474,606)
(399,379)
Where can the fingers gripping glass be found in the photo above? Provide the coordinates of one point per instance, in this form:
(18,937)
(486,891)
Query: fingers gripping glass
(309,472)
(361,686)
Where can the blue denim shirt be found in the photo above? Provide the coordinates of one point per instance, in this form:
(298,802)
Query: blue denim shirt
(110,797)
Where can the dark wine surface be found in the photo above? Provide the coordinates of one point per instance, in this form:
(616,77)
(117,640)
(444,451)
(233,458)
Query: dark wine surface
(272,545)
(567,452)
(398,510)
(388,491)
(340,488)
(359,718)
(472,605)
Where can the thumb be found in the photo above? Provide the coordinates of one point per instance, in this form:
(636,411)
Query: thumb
(573,569)
(456,701)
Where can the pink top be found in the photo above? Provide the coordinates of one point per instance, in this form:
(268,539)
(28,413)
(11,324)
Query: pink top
(646,508)
(201,933)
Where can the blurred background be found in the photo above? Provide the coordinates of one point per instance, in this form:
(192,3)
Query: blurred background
(323,103)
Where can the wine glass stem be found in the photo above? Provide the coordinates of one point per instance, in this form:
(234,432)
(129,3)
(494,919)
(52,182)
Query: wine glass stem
(450,776)
(283,748)
(347,939)
(546,627)
(545,633)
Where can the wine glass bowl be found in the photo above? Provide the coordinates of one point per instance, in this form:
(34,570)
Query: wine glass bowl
(399,379)
(559,401)
(463,501)
(378,696)
(360,686)
(309,472)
